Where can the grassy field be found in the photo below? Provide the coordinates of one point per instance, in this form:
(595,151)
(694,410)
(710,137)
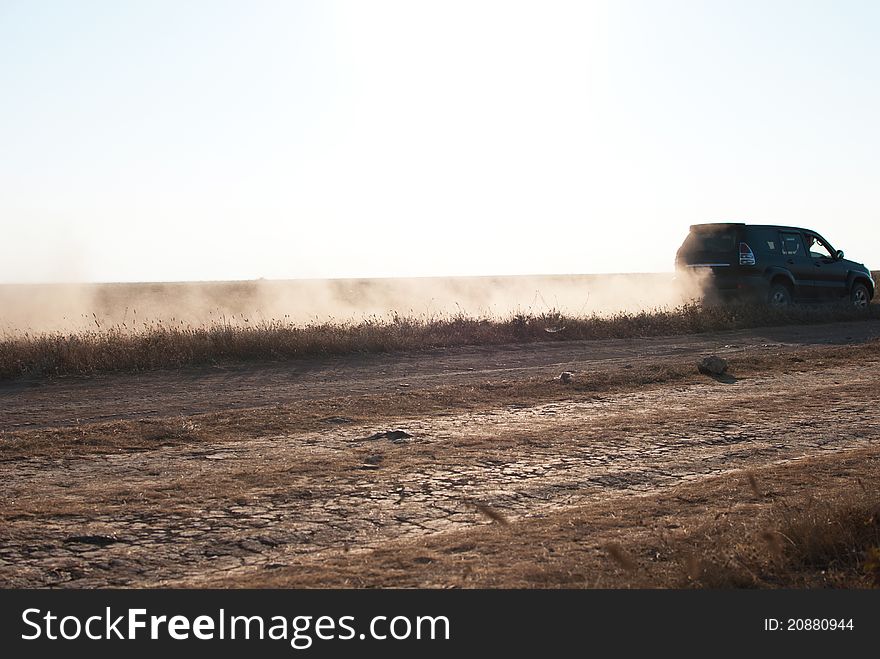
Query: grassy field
(167,345)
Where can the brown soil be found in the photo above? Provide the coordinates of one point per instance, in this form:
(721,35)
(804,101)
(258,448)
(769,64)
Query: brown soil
(504,476)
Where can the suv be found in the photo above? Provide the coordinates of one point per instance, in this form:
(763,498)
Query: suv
(773,264)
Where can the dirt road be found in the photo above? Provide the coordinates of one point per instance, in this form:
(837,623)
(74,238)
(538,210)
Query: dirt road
(72,401)
(183,512)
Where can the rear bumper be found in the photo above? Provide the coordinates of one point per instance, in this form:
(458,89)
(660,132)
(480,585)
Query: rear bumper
(736,287)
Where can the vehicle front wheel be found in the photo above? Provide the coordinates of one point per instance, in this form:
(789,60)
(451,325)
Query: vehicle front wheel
(859,296)
(779,295)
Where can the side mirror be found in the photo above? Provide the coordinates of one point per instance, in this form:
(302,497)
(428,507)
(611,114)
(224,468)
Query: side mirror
(838,254)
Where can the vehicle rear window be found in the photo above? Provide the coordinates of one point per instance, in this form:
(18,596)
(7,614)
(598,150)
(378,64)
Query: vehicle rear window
(710,240)
(763,241)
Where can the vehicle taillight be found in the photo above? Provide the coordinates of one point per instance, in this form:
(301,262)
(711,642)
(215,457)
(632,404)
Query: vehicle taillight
(746,255)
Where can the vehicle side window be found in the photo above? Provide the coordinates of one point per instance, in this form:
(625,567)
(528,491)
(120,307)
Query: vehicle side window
(762,241)
(817,248)
(792,244)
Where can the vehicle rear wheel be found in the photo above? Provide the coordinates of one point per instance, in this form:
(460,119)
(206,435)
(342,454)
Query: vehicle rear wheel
(859,296)
(779,295)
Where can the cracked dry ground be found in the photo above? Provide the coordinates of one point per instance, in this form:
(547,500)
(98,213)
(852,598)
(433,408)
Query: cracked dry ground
(188,512)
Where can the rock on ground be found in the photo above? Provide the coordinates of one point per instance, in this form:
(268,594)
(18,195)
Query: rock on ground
(712,365)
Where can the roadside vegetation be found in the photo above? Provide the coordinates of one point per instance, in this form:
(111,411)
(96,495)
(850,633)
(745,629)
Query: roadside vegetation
(802,542)
(165,345)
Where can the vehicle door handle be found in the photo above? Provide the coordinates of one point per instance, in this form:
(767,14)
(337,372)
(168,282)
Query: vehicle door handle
(791,260)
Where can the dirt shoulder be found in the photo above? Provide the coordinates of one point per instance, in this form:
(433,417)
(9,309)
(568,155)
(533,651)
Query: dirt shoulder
(744,529)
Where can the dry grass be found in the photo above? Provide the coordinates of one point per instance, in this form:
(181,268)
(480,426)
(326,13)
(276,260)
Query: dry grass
(159,345)
(837,536)
(797,542)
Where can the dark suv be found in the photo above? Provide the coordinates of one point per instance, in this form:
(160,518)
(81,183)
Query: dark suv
(772,263)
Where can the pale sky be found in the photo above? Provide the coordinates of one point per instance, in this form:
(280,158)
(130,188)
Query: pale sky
(176,140)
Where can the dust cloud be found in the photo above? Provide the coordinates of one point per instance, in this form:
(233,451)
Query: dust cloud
(75,307)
